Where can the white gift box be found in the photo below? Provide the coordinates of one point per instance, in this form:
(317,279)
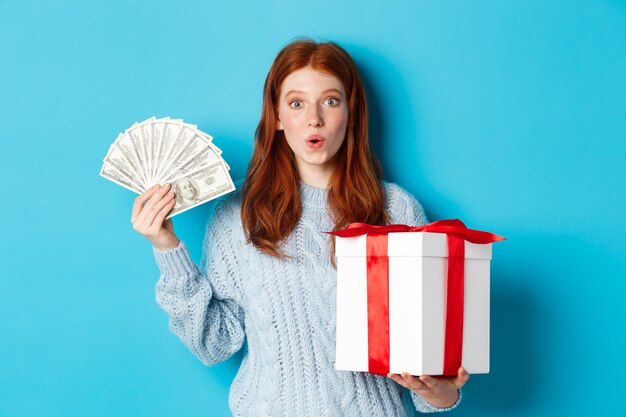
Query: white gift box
(418,263)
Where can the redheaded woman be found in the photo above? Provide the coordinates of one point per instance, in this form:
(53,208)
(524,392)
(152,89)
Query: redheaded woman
(268,274)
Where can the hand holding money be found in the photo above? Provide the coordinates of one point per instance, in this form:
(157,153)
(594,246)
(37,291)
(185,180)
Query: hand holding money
(148,216)
(160,151)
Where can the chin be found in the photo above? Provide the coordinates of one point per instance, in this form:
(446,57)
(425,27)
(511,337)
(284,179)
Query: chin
(318,162)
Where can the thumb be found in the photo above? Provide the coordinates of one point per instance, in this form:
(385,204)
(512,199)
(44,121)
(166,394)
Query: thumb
(461,378)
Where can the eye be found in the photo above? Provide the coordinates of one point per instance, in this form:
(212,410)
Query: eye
(332,101)
(296,104)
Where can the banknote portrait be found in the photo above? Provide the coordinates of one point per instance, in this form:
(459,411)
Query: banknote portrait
(187,192)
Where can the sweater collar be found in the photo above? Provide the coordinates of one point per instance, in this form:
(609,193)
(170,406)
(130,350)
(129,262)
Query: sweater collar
(313,196)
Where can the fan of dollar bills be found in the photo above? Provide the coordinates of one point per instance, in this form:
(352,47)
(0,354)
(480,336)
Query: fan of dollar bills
(159,151)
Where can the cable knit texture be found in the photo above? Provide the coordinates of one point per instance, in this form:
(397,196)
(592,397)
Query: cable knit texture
(284,311)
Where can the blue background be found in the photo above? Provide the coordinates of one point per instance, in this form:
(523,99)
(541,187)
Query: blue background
(507,114)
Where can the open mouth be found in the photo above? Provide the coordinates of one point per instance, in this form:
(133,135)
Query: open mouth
(315,141)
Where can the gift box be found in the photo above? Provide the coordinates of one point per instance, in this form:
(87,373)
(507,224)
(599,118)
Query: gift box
(413,299)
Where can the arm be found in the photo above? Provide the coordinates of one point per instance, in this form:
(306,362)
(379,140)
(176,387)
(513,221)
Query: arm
(209,325)
(207,320)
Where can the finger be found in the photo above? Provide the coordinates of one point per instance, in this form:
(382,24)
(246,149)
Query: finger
(156,197)
(145,218)
(153,211)
(399,380)
(414,382)
(142,199)
(429,381)
(461,378)
(158,220)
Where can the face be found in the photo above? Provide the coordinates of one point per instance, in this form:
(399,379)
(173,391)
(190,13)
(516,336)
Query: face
(187,190)
(313,113)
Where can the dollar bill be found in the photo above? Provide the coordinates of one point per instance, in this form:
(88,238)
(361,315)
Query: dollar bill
(201,159)
(113,174)
(145,131)
(133,140)
(156,132)
(201,186)
(121,158)
(165,150)
(172,140)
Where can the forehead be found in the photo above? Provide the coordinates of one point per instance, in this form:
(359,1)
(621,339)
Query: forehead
(310,81)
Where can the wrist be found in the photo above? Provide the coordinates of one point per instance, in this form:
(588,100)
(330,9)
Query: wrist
(166,245)
(446,401)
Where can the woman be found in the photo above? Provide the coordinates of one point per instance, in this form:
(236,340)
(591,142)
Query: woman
(268,274)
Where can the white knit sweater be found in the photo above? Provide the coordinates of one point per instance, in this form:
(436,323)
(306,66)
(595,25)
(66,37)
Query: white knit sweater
(284,310)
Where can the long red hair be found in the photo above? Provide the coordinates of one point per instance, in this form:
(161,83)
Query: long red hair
(271,204)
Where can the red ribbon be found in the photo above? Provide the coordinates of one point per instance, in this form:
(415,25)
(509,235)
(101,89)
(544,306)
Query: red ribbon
(378,286)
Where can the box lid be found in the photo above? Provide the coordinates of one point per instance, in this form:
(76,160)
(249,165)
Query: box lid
(411,244)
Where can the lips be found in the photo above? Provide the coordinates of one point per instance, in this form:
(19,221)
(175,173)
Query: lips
(315,141)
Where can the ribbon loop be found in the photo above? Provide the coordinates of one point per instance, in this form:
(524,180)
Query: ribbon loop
(449,227)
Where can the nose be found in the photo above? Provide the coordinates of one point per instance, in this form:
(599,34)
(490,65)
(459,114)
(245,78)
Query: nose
(315,117)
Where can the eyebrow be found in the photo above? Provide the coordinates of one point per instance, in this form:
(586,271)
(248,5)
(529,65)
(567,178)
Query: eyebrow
(330,90)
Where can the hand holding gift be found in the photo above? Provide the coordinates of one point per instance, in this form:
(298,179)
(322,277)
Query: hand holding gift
(440,392)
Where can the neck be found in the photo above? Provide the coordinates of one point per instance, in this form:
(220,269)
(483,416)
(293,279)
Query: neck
(316,175)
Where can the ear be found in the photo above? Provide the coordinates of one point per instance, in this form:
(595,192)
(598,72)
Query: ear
(279,124)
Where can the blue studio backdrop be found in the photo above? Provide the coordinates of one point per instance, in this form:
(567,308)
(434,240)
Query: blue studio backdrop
(509,115)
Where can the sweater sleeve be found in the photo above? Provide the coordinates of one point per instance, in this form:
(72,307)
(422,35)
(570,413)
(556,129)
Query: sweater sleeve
(403,208)
(201,306)
(424,406)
